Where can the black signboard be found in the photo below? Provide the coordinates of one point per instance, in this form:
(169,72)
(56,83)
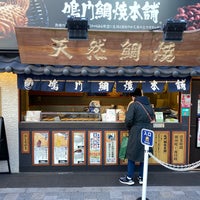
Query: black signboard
(4,155)
(101,14)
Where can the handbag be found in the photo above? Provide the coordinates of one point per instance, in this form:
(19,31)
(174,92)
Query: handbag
(123,147)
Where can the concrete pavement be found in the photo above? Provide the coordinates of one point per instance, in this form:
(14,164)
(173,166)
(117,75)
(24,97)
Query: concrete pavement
(101,193)
(98,186)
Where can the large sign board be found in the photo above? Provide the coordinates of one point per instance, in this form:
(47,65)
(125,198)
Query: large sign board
(101,14)
(106,48)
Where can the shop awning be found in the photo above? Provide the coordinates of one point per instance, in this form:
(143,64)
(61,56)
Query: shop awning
(43,75)
(101,84)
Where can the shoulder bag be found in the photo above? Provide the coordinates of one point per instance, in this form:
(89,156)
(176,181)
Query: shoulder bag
(151,120)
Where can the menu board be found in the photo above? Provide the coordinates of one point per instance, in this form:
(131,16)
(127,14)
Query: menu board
(60,148)
(95,147)
(25,141)
(78,148)
(123,134)
(111,147)
(161,148)
(40,147)
(178,147)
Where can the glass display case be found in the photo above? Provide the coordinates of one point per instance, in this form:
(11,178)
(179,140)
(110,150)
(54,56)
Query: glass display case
(70,116)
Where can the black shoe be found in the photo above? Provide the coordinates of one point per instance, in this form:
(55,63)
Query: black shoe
(126,180)
(140,180)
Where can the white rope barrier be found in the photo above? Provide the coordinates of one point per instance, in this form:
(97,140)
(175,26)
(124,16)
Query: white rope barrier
(176,167)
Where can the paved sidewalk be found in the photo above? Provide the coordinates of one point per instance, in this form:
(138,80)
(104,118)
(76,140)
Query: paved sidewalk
(101,193)
(98,186)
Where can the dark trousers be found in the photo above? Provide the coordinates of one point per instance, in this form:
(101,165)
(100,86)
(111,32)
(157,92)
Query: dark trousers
(131,169)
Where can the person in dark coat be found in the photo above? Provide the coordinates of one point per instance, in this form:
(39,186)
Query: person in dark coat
(136,119)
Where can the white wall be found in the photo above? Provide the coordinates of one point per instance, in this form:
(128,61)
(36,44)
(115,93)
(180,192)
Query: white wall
(9,111)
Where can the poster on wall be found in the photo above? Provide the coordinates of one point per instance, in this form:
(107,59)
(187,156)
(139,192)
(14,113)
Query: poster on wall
(101,15)
(95,147)
(40,148)
(161,148)
(185,100)
(178,147)
(111,147)
(185,104)
(25,142)
(60,147)
(78,148)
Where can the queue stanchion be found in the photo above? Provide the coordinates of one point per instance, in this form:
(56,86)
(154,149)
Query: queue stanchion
(147,139)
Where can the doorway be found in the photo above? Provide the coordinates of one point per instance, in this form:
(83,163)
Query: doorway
(194,150)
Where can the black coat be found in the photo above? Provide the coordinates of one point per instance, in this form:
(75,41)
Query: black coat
(136,119)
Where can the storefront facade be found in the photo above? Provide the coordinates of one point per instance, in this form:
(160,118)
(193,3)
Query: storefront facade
(172,138)
(70,134)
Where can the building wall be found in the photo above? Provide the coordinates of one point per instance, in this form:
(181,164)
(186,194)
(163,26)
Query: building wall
(9,111)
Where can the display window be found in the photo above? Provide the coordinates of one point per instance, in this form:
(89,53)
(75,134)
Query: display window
(64,106)
(167,106)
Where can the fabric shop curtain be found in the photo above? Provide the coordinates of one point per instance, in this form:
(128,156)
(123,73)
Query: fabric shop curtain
(101,84)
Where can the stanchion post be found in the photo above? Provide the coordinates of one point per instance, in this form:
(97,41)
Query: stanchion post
(145,173)
(147,139)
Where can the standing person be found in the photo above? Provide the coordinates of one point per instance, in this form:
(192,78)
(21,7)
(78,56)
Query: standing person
(138,116)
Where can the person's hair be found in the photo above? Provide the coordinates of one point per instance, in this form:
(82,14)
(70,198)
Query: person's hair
(137,92)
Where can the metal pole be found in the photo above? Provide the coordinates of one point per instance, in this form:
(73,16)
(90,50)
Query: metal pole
(145,172)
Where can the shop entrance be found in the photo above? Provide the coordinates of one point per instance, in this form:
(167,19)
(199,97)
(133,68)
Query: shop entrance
(194,150)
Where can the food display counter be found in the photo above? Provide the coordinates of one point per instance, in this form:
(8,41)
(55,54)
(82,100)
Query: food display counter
(70,116)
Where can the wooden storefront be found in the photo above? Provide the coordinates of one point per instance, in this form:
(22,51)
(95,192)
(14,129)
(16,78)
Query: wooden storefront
(77,145)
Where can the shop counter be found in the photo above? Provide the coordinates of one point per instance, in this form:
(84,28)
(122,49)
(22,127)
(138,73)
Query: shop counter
(73,145)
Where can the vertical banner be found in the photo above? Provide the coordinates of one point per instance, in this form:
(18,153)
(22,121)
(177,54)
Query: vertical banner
(25,142)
